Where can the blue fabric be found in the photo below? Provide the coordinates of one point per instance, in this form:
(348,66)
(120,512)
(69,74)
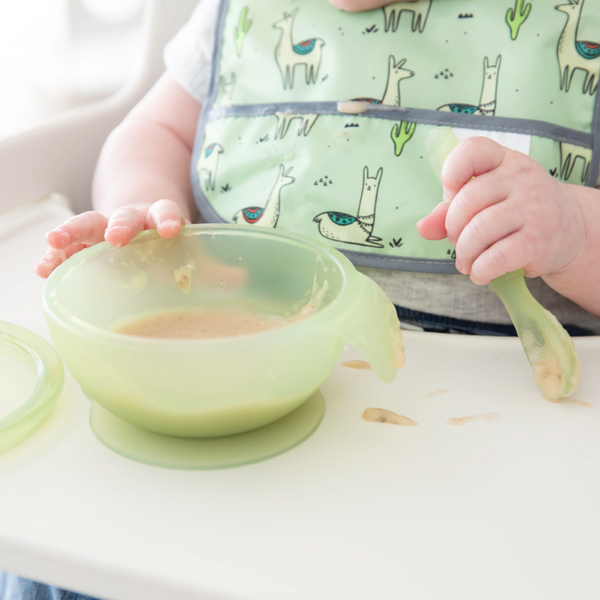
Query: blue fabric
(440,324)
(18,588)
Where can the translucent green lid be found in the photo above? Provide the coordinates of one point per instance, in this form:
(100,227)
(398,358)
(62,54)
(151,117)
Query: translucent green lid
(31,379)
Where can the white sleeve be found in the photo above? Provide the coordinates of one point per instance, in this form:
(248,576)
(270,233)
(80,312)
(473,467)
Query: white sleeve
(188,56)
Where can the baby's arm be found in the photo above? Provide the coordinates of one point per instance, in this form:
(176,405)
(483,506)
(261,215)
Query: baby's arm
(142,179)
(505,212)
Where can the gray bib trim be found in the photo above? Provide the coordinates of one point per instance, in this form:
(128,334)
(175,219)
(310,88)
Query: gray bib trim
(595,165)
(416,265)
(414,115)
(213,86)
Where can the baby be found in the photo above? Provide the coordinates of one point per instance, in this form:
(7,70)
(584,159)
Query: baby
(513,215)
(502,211)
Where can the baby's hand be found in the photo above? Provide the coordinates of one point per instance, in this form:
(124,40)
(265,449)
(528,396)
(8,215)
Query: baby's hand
(119,229)
(513,215)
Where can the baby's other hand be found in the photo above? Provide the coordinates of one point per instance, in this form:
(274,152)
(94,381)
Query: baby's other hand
(504,212)
(89,228)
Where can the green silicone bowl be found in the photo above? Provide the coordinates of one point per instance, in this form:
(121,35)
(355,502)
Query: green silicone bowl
(208,388)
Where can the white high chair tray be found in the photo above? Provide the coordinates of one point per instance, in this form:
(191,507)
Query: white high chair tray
(492,509)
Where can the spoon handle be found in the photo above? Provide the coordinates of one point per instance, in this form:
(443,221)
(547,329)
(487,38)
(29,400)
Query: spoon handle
(548,346)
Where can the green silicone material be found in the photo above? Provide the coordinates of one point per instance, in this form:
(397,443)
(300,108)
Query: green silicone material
(46,380)
(208,453)
(547,338)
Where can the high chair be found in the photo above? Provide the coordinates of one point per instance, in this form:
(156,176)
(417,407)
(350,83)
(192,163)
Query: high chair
(59,156)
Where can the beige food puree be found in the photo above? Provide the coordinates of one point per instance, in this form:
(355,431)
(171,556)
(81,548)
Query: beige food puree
(381,415)
(200,324)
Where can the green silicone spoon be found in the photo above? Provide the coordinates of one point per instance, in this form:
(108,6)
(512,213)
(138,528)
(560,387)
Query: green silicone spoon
(548,346)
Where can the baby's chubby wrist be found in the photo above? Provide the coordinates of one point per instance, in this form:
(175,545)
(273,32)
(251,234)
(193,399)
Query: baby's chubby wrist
(580,276)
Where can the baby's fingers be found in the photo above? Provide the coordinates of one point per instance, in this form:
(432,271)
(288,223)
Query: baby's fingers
(54,258)
(87,228)
(476,197)
(485,229)
(471,158)
(433,226)
(510,254)
(167,217)
(124,224)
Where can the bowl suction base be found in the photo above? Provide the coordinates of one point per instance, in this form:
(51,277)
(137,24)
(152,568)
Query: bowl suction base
(208,453)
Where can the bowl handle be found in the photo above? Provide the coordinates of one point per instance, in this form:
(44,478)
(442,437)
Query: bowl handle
(371,325)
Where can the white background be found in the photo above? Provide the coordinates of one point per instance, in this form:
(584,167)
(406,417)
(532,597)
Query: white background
(51,61)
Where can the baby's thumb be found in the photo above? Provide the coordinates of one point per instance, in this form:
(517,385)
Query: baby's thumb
(433,226)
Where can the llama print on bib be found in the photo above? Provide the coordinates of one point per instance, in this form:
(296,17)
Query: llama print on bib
(487,103)
(208,167)
(289,55)
(419,9)
(341,227)
(569,153)
(226,90)
(285,118)
(576,54)
(396,73)
(269,215)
